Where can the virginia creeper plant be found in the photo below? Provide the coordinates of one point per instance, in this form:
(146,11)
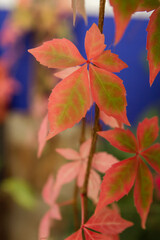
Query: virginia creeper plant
(84,81)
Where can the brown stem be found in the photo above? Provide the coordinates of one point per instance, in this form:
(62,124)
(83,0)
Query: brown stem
(75,207)
(95,128)
(83,130)
(76,189)
(101,14)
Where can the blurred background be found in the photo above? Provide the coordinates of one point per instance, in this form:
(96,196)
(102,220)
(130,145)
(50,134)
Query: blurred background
(24,89)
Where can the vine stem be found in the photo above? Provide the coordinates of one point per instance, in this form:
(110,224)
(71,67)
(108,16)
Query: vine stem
(82,210)
(95,128)
(76,189)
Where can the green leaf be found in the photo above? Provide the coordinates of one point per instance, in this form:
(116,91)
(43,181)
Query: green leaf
(148,5)
(153,44)
(143,191)
(109,93)
(69,101)
(20,191)
(123,10)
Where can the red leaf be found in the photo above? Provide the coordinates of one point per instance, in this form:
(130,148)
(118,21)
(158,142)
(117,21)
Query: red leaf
(42,134)
(94,186)
(47,190)
(153,44)
(109,93)
(81,175)
(147,132)
(121,139)
(122,13)
(45,224)
(67,173)
(117,182)
(94,42)
(58,53)
(55,212)
(44,227)
(75,236)
(152,156)
(108,222)
(69,153)
(85,148)
(69,101)
(89,235)
(109,61)
(110,121)
(143,191)
(79,6)
(157,184)
(50,191)
(102,161)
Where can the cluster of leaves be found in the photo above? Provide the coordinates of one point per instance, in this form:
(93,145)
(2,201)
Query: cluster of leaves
(119,176)
(76,169)
(104,225)
(123,10)
(85,81)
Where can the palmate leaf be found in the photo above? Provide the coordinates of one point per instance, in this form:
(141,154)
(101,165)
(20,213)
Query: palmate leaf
(117,182)
(58,53)
(143,191)
(120,177)
(69,101)
(77,169)
(109,93)
(123,9)
(108,222)
(71,98)
(153,44)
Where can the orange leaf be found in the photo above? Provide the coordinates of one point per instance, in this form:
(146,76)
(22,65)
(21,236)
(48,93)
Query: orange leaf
(69,101)
(58,53)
